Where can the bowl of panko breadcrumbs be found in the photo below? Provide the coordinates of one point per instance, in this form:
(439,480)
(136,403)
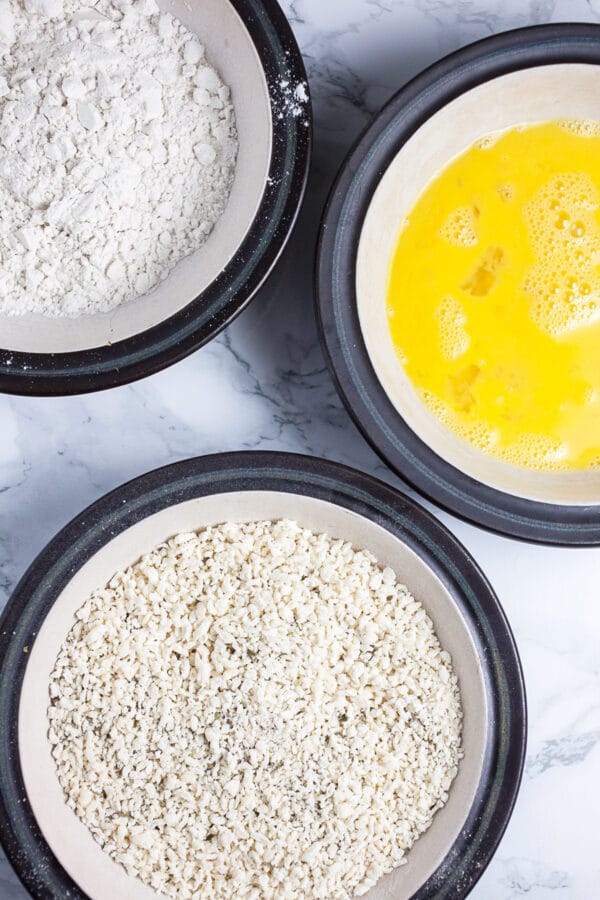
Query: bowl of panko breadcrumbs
(256,675)
(153,159)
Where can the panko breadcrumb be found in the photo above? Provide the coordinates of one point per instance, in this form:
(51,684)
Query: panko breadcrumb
(255,711)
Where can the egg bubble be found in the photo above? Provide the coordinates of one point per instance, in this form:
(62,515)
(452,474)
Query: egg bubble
(488,140)
(402,357)
(586,128)
(530,451)
(557,311)
(479,434)
(563,283)
(436,405)
(459,228)
(506,192)
(451,319)
(577,229)
(536,451)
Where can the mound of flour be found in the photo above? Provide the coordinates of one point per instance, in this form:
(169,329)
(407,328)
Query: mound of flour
(117,152)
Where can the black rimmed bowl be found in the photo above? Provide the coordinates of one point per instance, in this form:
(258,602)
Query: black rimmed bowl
(527,75)
(252,46)
(54,854)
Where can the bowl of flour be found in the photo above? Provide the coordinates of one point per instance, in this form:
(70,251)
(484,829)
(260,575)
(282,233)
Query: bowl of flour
(256,675)
(153,157)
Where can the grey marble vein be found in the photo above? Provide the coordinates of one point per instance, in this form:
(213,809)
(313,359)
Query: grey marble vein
(569,750)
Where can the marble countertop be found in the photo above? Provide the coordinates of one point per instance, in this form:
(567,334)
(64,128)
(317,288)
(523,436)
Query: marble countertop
(263,384)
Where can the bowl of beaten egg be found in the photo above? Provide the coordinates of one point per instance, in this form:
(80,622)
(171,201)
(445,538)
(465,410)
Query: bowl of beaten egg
(459,289)
(152,165)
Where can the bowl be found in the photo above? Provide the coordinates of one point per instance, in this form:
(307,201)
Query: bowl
(52,851)
(252,46)
(522,76)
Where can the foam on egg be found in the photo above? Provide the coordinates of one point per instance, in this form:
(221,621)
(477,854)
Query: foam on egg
(460,227)
(536,450)
(494,296)
(451,319)
(528,451)
(564,283)
(488,140)
(581,127)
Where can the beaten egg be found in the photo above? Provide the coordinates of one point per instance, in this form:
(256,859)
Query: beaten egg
(494,295)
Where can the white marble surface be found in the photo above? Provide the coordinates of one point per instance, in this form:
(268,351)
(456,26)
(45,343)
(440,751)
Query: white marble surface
(264,384)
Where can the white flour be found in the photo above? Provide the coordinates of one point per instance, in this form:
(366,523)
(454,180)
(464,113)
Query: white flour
(117,152)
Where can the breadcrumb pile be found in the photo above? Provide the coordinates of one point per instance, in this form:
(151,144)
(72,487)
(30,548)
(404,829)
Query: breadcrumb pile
(255,711)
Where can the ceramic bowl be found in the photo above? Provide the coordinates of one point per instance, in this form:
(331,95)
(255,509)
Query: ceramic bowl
(53,852)
(252,46)
(523,76)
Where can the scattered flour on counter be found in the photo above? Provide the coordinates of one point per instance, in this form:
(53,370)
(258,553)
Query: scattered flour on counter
(117,152)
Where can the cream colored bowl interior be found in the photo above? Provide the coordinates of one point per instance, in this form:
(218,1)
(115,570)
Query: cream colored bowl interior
(530,95)
(231,51)
(89,866)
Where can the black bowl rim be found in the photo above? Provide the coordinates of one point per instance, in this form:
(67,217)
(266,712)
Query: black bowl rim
(337,315)
(25,847)
(149,351)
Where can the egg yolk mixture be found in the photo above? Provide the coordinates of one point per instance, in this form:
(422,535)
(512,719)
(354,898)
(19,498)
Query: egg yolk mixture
(494,295)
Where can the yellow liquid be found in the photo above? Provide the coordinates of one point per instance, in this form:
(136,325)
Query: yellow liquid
(494,296)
